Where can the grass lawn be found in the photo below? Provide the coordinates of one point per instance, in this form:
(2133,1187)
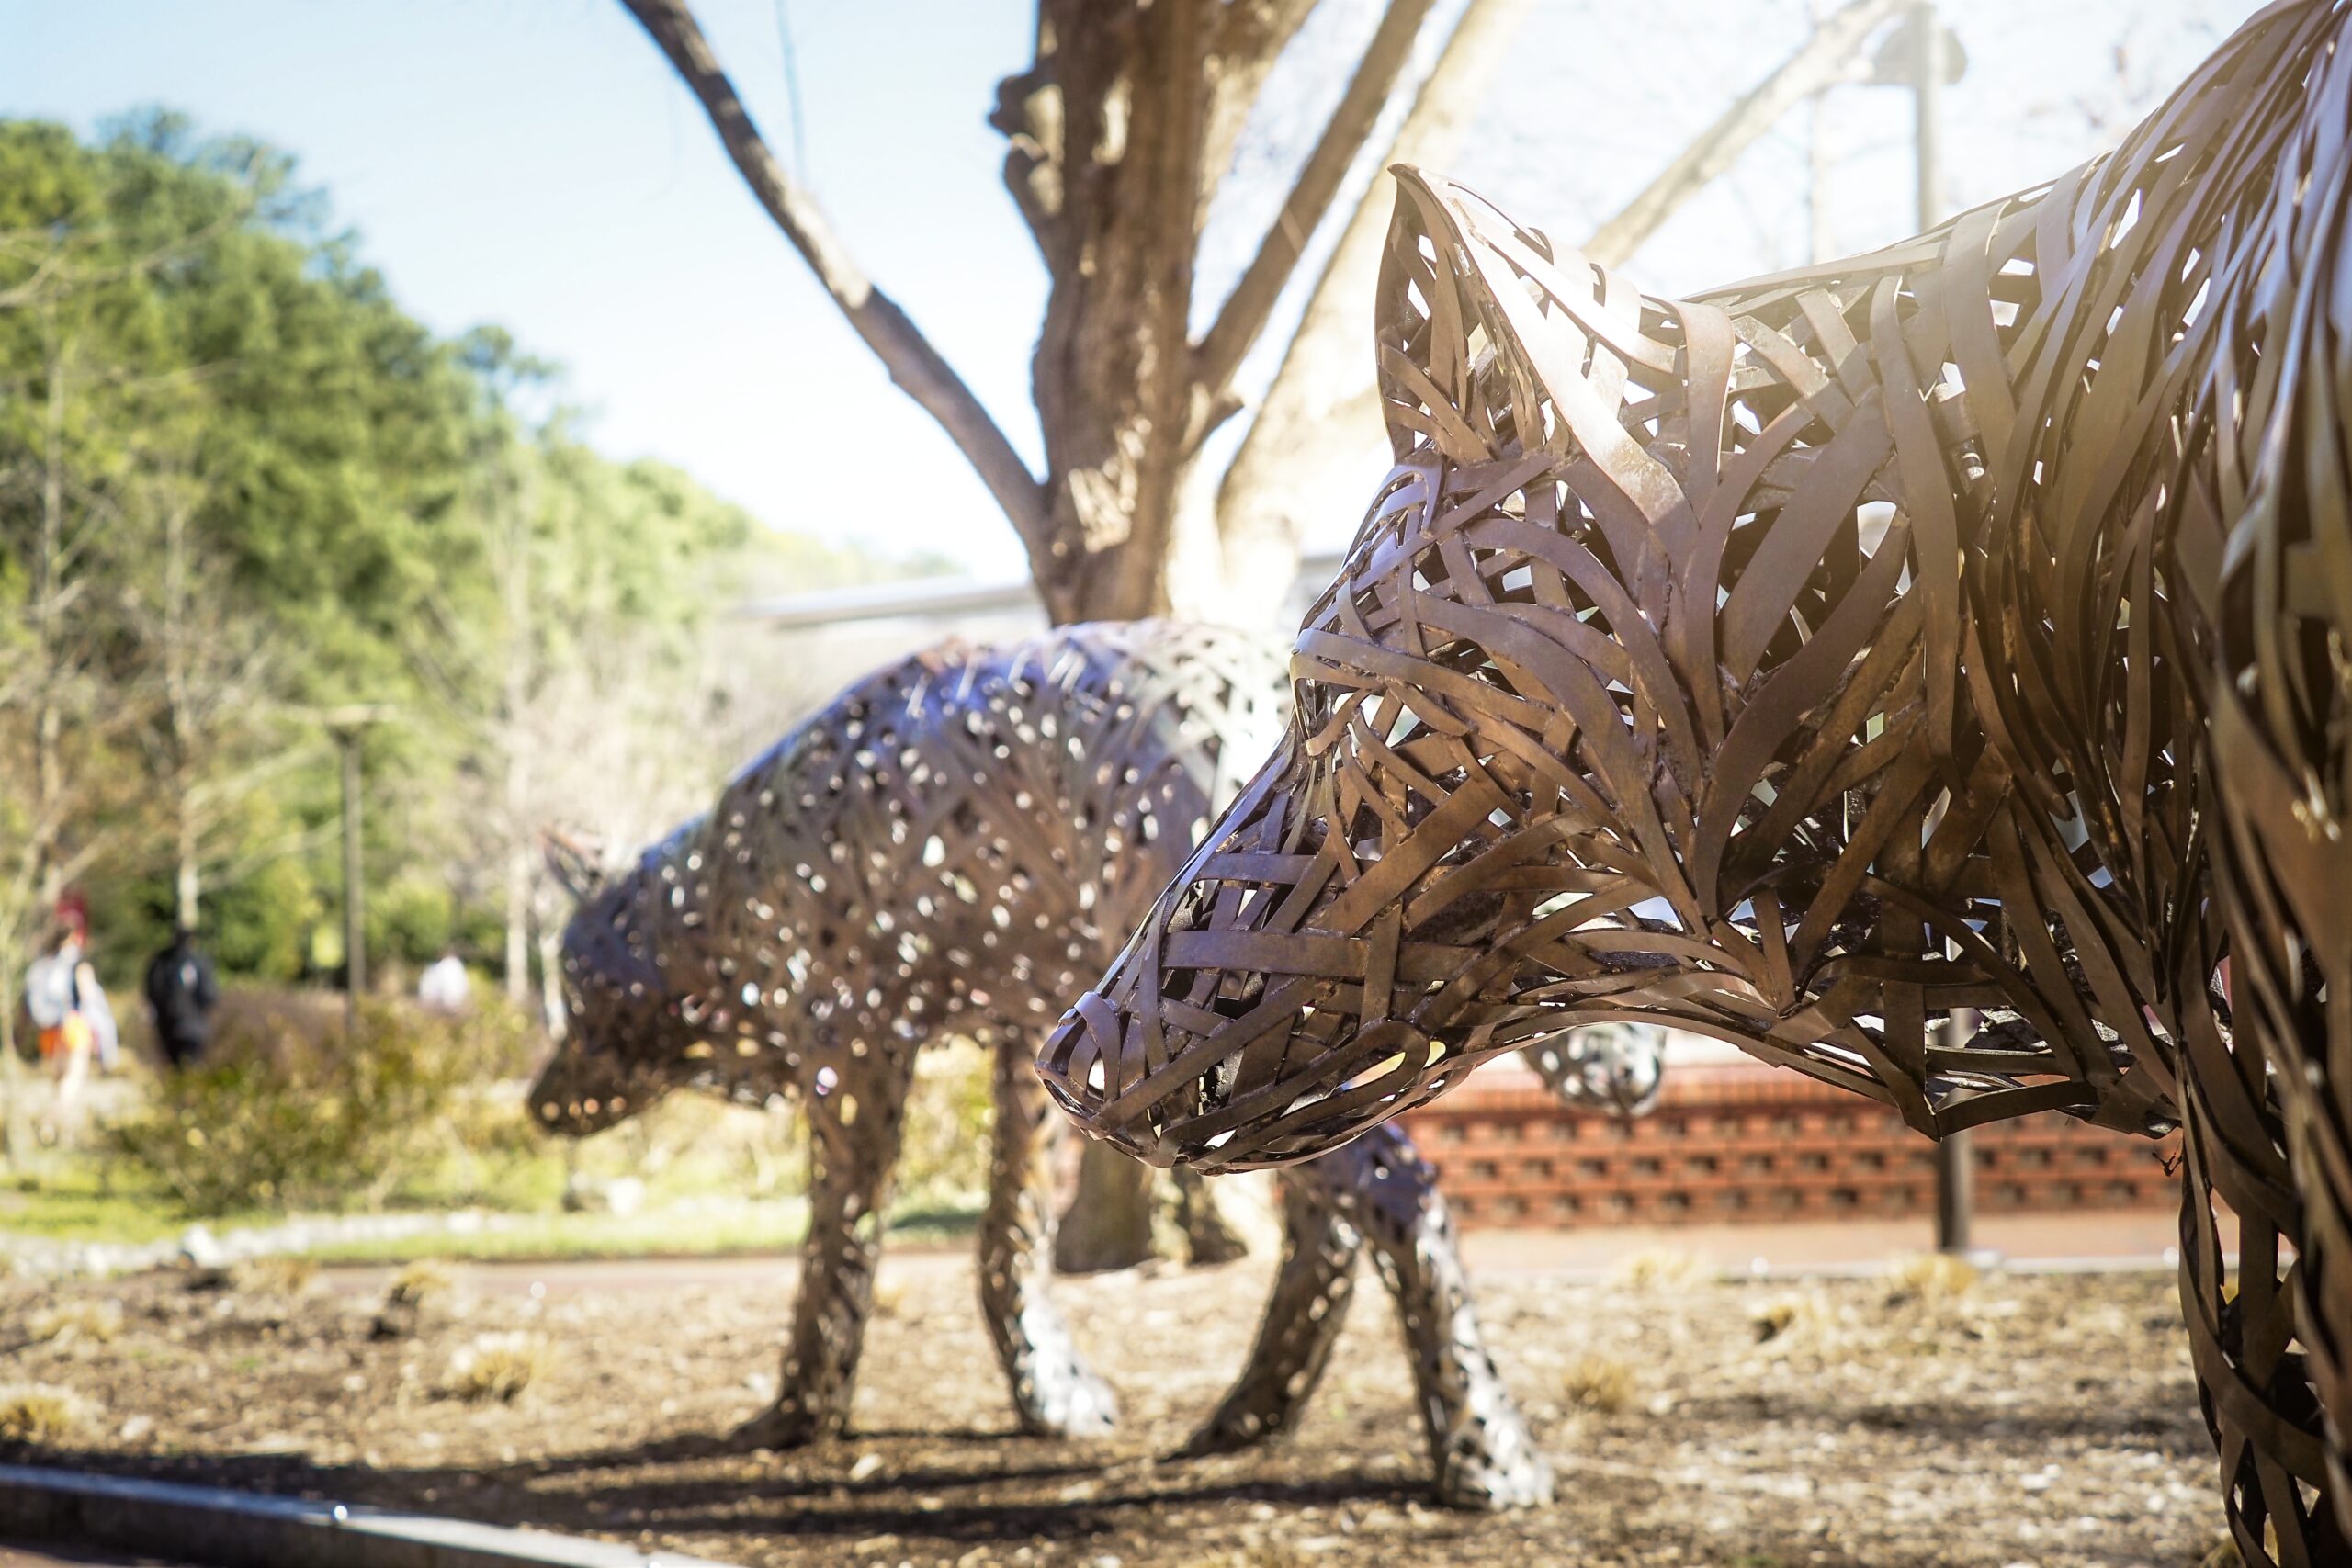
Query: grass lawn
(692,1176)
(76,1205)
(76,1202)
(697,1229)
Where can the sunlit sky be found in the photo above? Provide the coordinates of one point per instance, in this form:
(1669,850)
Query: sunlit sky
(533,162)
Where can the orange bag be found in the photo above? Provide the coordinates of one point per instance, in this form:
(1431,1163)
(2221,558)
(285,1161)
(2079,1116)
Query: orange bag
(69,1038)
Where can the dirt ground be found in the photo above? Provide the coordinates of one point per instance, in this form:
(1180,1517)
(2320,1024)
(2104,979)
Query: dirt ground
(2022,1419)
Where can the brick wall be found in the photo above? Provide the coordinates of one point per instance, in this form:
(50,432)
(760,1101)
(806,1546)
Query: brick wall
(1742,1143)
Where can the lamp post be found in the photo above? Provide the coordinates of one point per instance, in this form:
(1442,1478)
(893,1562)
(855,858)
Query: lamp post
(1955,1152)
(346,725)
(1924,55)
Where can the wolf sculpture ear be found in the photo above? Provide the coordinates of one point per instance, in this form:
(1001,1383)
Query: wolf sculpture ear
(1454,375)
(576,859)
(1492,344)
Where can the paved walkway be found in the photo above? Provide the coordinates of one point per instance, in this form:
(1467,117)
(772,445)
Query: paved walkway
(2085,1239)
(2129,1239)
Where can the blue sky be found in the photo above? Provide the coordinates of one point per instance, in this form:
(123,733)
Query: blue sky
(533,162)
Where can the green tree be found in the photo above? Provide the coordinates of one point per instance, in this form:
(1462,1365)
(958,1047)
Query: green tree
(239,485)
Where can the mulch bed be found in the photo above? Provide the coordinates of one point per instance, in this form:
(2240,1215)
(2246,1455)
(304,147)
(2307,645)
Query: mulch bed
(2043,1420)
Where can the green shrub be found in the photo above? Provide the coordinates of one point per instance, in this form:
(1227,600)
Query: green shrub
(293,1115)
(944,1156)
(413,919)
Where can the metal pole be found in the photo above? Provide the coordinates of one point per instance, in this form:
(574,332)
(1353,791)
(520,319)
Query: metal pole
(1818,244)
(1928,93)
(355,941)
(1955,1160)
(1955,1156)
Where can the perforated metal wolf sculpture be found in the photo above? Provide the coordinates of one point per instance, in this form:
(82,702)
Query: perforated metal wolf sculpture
(1813,661)
(941,853)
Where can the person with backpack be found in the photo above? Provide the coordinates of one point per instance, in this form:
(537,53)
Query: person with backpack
(181,991)
(59,988)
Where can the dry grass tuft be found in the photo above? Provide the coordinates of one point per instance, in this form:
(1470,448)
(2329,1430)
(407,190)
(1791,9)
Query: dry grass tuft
(499,1367)
(1663,1270)
(420,1282)
(40,1415)
(2224,1554)
(1782,1316)
(1932,1280)
(95,1321)
(287,1274)
(413,1290)
(1599,1383)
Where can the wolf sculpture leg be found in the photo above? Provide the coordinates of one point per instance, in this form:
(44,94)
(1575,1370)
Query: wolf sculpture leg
(1313,1288)
(1378,1190)
(1054,1393)
(855,1122)
(2254,1379)
(1485,1457)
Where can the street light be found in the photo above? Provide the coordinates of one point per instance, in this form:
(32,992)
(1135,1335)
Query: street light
(1923,55)
(346,725)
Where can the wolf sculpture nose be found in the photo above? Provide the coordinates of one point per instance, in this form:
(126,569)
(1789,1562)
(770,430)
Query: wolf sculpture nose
(1081,1068)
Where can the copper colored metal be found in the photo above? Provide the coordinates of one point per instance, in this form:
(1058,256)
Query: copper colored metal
(2281,719)
(1808,660)
(940,854)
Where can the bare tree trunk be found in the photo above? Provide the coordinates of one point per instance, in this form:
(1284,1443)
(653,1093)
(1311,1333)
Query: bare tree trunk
(186,889)
(552,1004)
(1111,165)
(48,777)
(1107,129)
(187,874)
(520,657)
(1109,1222)
(15,1118)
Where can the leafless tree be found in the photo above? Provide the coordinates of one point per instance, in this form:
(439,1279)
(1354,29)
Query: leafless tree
(1122,131)
(54,730)
(207,680)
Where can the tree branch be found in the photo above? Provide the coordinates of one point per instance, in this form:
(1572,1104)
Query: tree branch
(1320,416)
(1247,41)
(1824,56)
(916,366)
(1320,420)
(1243,315)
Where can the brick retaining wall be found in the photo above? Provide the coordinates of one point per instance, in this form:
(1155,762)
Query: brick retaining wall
(1745,1143)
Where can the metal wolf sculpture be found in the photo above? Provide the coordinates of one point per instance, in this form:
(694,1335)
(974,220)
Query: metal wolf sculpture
(1896,640)
(941,852)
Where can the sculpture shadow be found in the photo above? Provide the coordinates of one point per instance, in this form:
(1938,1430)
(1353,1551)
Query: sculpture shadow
(731,1503)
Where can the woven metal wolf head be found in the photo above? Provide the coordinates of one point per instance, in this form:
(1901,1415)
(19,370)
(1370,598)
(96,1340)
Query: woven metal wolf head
(637,1010)
(1621,709)
(1660,686)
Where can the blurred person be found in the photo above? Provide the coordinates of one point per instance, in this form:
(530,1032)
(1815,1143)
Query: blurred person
(91,1001)
(444,986)
(182,990)
(67,1005)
